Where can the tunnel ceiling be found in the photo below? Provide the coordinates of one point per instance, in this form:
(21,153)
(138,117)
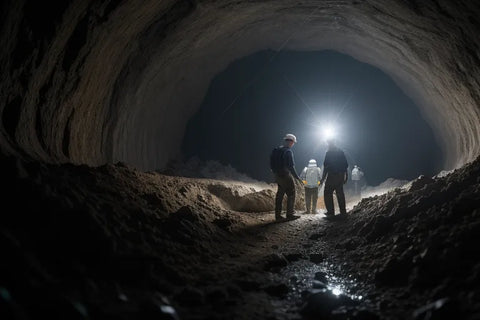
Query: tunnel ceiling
(100,81)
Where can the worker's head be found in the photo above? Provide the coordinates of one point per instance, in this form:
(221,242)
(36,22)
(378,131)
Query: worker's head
(331,142)
(355,167)
(312,163)
(289,140)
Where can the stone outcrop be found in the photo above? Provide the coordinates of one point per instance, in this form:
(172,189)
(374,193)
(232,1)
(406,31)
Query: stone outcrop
(115,242)
(91,82)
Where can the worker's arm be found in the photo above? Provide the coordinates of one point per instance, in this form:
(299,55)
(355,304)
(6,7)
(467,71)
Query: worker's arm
(324,175)
(294,173)
(291,165)
(319,176)
(303,175)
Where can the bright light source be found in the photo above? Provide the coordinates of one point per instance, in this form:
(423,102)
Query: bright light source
(329,132)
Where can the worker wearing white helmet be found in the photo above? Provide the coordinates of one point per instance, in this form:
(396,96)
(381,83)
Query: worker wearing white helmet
(282,165)
(357,175)
(311,176)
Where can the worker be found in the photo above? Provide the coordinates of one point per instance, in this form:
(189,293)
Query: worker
(357,175)
(311,176)
(335,172)
(282,165)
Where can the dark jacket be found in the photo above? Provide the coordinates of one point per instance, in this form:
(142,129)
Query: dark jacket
(335,161)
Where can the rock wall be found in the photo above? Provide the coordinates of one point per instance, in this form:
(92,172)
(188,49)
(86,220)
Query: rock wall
(92,82)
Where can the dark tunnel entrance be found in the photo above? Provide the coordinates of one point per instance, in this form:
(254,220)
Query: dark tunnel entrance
(257,99)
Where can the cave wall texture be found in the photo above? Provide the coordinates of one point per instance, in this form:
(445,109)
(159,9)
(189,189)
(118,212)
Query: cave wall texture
(91,82)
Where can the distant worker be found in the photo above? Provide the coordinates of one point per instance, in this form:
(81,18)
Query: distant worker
(335,171)
(282,165)
(311,176)
(357,175)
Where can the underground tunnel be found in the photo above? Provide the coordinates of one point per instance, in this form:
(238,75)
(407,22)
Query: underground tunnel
(376,124)
(96,102)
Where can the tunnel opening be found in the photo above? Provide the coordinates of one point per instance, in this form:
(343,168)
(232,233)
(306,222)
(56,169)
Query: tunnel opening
(257,99)
(166,48)
(89,232)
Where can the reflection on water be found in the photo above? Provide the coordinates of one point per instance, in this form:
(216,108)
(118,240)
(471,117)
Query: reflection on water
(339,286)
(301,276)
(336,290)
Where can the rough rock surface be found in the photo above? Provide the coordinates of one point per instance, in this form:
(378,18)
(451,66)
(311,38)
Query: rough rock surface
(113,242)
(91,82)
(95,82)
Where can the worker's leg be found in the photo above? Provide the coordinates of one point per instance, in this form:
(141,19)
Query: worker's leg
(328,198)
(314,200)
(308,199)
(279,196)
(340,197)
(290,191)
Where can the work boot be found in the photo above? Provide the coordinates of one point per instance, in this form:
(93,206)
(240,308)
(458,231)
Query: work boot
(329,217)
(291,216)
(279,218)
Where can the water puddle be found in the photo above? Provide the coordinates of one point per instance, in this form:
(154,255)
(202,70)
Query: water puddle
(319,290)
(305,275)
(343,286)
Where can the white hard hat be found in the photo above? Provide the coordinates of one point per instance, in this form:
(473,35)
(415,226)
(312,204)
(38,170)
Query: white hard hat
(290,136)
(312,163)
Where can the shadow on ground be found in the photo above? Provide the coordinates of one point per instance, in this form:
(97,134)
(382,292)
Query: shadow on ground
(115,243)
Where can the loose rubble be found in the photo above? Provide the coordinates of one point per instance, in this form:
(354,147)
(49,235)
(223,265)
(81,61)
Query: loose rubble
(114,242)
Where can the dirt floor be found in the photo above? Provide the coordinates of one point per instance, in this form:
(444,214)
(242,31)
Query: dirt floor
(115,243)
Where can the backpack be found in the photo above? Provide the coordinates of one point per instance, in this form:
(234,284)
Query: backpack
(277,163)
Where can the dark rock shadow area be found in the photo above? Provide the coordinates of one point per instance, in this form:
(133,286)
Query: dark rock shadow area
(112,242)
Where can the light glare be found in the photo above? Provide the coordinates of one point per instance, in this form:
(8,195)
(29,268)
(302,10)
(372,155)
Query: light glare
(336,291)
(329,132)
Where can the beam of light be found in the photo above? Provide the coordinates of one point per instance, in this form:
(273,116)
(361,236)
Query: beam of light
(299,96)
(345,105)
(274,55)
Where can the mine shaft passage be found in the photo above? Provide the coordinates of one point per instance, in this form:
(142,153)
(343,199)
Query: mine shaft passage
(102,218)
(257,99)
(104,82)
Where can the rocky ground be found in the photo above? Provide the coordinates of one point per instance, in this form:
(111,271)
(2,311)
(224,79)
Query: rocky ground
(115,243)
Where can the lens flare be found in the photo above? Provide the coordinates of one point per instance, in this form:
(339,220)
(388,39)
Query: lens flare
(329,132)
